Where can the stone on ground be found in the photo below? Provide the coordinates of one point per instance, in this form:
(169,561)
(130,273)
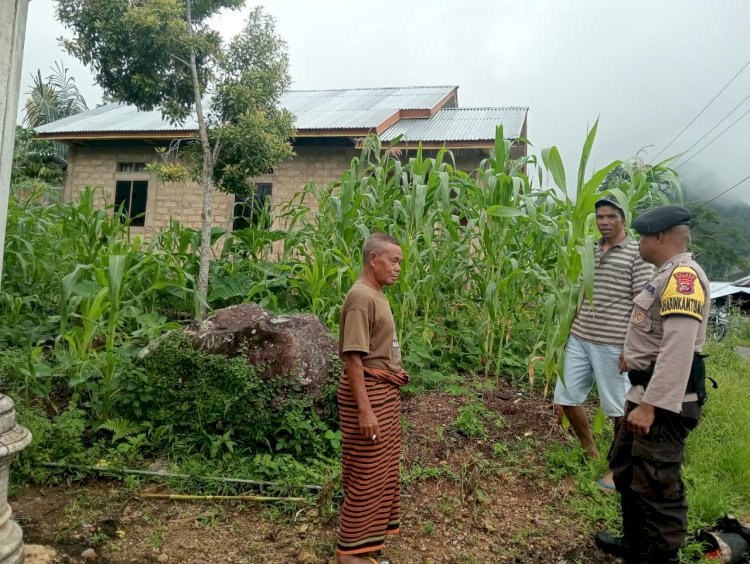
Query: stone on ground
(39,554)
(299,345)
(305,557)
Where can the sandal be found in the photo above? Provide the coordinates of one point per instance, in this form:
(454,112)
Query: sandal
(605,486)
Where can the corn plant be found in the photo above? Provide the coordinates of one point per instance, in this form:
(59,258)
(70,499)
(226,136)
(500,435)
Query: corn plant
(575,266)
(77,283)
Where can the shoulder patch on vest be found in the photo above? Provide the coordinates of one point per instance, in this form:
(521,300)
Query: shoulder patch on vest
(683,294)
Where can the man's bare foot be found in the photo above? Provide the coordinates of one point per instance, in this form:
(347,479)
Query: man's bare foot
(591,451)
(606,482)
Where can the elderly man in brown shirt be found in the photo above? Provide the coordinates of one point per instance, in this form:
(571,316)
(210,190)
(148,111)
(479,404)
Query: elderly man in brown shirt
(665,335)
(370,407)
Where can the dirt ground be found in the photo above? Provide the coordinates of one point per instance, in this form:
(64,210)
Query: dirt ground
(465,500)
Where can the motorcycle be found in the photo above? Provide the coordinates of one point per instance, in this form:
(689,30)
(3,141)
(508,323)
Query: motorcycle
(718,323)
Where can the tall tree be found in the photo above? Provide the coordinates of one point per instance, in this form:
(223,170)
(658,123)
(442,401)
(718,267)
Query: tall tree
(52,98)
(163,54)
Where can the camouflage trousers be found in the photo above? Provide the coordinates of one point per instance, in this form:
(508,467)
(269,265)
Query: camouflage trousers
(648,476)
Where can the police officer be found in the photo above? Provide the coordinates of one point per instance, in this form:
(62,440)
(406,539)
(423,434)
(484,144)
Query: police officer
(666,331)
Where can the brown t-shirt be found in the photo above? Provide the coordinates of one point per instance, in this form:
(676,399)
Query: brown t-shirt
(366,325)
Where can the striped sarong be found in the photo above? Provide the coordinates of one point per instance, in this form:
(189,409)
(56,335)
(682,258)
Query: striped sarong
(370,470)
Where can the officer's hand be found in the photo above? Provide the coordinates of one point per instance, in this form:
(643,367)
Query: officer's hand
(368,425)
(621,363)
(641,418)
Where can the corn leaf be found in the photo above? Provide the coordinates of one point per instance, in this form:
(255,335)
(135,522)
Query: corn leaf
(553,162)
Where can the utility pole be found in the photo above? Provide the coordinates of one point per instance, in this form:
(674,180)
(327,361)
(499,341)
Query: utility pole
(12,32)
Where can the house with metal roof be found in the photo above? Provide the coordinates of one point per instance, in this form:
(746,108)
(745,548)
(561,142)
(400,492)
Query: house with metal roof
(110,146)
(736,294)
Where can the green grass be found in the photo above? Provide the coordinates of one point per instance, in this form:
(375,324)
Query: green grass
(599,509)
(739,329)
(717,465)
(717,468)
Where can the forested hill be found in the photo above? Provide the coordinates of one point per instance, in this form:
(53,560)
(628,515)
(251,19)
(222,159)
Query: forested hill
(721,239)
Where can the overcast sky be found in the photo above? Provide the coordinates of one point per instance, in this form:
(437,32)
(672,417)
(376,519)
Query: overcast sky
(645,68)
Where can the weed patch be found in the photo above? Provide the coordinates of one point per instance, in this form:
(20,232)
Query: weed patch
(474,418)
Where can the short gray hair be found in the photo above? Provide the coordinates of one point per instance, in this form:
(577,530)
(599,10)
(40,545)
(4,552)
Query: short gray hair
(376,242)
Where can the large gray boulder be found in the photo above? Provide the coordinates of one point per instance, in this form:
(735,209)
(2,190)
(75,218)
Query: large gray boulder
(298,345)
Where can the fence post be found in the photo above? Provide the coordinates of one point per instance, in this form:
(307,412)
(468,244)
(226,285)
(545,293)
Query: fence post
(13,439)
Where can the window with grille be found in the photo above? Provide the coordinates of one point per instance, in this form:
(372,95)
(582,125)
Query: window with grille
(253,210)
(132,196)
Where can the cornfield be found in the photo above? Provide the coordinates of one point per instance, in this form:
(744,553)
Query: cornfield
(494,267)
(495,264)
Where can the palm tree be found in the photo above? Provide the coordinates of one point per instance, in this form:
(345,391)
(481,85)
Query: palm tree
(52,98)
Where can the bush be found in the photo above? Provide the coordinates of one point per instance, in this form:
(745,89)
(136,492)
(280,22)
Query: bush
(216,404)
(11,379)
(58,438)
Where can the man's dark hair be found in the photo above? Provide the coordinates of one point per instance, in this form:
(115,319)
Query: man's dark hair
(376,242)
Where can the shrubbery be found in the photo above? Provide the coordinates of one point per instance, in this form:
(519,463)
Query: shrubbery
(214,404)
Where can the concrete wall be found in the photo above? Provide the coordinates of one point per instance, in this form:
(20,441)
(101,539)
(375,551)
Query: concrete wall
(97,166)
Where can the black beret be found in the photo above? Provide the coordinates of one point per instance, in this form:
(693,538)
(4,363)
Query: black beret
(608,201)
(661,219)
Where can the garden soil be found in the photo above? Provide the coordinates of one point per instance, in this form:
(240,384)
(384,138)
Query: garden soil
(465,500)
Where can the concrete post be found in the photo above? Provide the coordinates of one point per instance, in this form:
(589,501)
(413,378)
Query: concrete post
(12,437)
(12,31)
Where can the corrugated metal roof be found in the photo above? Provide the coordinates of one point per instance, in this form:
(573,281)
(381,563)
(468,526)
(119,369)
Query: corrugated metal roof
(352,109)
(115,117)
(358,108)
(721,289)
(460,124)
(355,108)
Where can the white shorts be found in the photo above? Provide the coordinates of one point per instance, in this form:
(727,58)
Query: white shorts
(585,362)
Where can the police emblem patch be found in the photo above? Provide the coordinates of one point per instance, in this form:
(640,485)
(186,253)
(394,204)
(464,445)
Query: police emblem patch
(684,294)
(685,282)
(639,318)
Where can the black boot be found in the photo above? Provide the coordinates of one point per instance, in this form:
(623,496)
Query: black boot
(611,544)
